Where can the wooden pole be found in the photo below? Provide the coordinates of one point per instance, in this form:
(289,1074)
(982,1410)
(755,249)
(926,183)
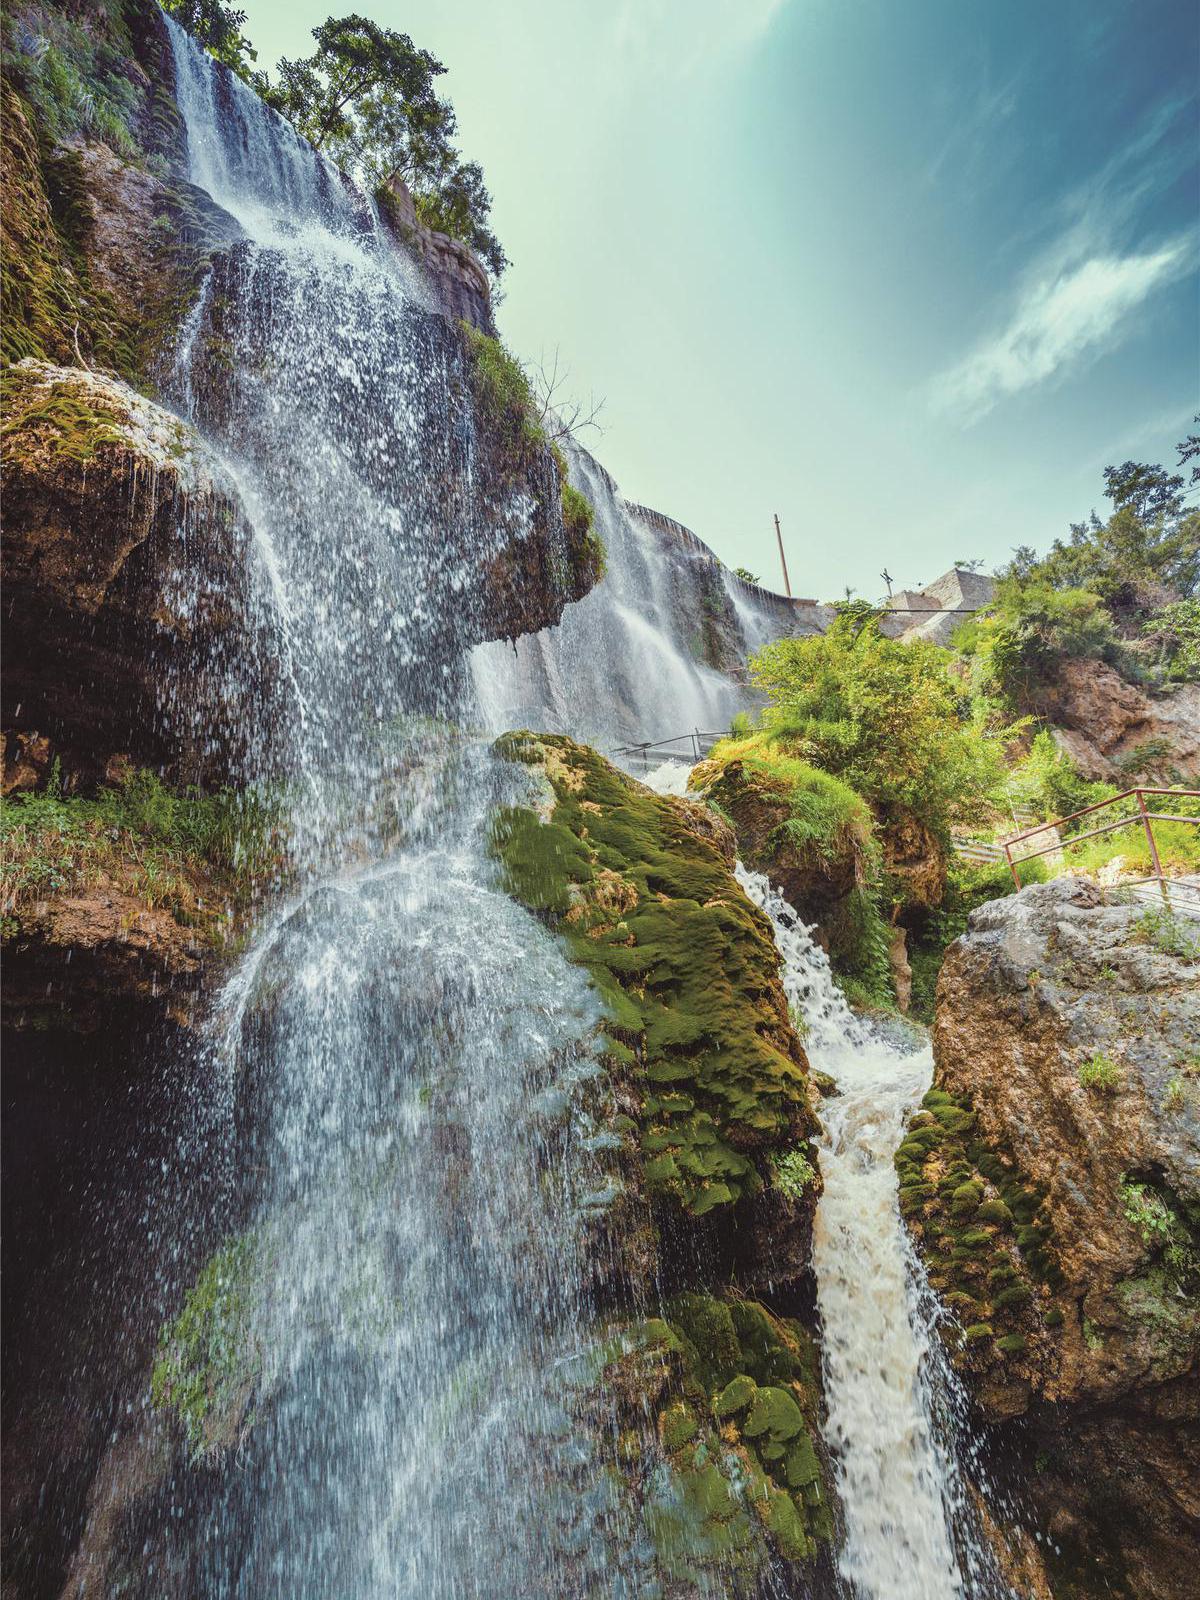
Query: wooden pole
(787,587)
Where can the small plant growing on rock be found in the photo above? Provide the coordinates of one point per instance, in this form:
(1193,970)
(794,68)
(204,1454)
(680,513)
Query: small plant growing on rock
(1160,1226)
(1100,1072)
(793,1173)
(1163,930)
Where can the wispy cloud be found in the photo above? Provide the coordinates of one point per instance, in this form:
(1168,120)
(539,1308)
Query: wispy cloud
(1057,322)
(1077,297)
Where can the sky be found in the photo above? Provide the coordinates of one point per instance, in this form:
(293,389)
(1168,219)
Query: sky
(908,275)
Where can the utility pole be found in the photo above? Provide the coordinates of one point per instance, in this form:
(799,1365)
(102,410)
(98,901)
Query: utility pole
(887,578)
(787,587)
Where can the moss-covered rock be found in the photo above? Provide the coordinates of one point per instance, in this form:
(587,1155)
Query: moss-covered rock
(128,570)
(729,1468)
(685,964)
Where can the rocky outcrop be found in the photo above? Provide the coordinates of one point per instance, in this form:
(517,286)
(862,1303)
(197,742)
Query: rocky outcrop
(130,617)
(1052,1181)
(714,1164)
(1117,731)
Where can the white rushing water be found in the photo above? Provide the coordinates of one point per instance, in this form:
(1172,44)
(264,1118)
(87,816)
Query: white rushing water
(908,1533)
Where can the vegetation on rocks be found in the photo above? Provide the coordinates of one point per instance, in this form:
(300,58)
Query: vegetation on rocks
(730,1467)
(685,965)
(204,857)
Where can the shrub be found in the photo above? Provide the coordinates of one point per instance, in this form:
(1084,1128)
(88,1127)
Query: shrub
(887,718)
(1029,627)
(1160,928)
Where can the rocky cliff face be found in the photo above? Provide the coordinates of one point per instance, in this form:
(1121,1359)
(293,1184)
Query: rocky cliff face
(1052,1182)
(1114,729)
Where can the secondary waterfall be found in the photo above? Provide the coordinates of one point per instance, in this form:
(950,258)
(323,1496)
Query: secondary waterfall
(889,1391)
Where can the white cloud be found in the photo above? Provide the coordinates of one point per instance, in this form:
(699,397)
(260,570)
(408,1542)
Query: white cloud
(1057,322)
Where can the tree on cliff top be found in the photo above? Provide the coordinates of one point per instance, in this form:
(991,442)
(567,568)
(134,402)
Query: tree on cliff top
(218,28)
(1147,552)
(366,97)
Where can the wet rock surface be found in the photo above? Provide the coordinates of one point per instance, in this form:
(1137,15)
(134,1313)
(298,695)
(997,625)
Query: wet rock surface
(1052,1182)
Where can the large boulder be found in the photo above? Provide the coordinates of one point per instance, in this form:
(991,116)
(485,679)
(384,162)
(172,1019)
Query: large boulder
(1052,1182)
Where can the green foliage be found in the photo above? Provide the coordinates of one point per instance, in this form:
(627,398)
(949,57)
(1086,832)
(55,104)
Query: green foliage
(1163,1225)
(1161,928)
(746,575)
(1030,626)
(75,77)
(218,27)
(1174,633)
(887,718)
(1101,1072)
(793,1173)
(502,390)
(366,96)
(162,843)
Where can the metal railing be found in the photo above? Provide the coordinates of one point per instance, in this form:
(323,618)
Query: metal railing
(1143,818)
(695,744)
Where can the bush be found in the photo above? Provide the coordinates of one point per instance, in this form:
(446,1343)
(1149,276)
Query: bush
(1030,626)
(886,718)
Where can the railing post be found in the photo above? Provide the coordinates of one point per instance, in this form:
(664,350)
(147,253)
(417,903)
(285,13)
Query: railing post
(1154,861)
(1012,866)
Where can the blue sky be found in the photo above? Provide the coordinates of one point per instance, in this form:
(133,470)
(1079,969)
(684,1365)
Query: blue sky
(908,274)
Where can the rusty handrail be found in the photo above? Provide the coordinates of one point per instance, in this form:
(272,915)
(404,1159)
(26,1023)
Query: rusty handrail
(1142,816)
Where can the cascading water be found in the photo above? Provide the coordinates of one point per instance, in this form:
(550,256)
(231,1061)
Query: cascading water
(410,1167)
(890,1394)
(622,665)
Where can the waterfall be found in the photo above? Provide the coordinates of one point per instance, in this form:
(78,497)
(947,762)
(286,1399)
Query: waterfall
(624,664)
(403,1051)
(892,1399)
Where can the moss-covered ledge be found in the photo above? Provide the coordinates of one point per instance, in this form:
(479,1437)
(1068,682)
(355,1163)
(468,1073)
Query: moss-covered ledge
(686,965)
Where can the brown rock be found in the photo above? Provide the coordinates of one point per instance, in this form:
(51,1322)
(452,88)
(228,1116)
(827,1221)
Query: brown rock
(1101,719)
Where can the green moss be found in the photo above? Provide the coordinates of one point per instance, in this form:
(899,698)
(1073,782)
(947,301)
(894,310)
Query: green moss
(985,1244)
(737,1472)
(208,1361)
(1012,1344)
(686,966)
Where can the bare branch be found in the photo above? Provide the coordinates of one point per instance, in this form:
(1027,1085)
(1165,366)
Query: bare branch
(561,414)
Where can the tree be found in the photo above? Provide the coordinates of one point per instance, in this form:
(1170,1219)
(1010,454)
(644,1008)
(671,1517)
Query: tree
(218,28)
(330,96)
(1149,544)
(888,718)
(560,414)
(1028,629)
(366,97)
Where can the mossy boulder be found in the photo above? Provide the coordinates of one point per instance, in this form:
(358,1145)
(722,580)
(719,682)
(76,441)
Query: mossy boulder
(686,967)
(811,834)
(730,1470)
